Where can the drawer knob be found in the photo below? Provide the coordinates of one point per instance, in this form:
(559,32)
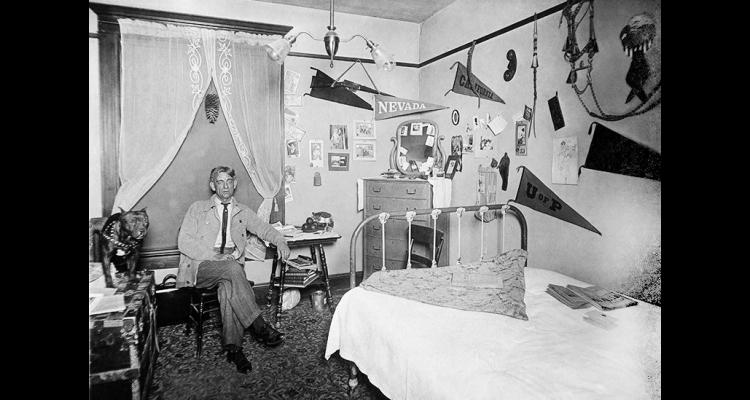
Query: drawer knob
(375,228)
(376,189)
(376,247)
(376,207)
(411,191)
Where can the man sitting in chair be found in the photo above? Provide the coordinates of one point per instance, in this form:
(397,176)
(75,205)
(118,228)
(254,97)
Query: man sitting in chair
(212,242)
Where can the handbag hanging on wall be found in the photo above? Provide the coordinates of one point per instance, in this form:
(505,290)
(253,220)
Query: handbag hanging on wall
(172,303)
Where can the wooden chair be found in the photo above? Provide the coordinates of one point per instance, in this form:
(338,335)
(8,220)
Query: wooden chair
(420,246)
(203,302)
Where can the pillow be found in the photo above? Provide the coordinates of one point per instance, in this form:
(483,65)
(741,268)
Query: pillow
(437,286)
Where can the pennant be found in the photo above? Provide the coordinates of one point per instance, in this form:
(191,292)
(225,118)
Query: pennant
(341,92)
(389,107)
(462,85)
(611,152)
(534,194)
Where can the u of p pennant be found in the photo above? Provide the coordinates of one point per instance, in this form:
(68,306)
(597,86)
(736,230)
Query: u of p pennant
(534,194)
(389,107)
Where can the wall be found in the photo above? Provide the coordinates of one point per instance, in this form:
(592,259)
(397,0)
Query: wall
(338,192)
(626,210)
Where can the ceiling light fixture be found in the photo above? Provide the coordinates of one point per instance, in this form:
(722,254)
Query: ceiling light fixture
(279,48)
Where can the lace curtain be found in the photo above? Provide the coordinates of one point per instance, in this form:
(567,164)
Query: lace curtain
(166,70)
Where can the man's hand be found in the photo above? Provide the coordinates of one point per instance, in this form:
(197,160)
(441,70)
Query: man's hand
(221,257)
(283,252)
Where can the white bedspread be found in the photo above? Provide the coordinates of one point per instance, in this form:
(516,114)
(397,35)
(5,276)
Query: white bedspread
(412,350)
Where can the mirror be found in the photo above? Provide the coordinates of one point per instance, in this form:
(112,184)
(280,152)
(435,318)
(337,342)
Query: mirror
(417,148)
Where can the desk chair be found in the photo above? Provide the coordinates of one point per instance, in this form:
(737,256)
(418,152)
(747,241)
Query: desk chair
(203,302)
(421,239)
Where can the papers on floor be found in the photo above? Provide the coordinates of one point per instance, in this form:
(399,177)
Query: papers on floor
(104,300)
(579,297)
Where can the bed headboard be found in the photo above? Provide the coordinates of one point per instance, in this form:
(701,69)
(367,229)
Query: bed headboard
(498,209)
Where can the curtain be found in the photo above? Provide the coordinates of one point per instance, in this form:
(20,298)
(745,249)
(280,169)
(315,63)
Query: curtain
(166,70)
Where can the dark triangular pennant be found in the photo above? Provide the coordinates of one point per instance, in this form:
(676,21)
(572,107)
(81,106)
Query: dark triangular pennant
(612,152)
(534,194)
(341,92)
(462,85)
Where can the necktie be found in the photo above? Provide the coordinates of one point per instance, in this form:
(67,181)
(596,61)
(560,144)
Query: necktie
(224,217)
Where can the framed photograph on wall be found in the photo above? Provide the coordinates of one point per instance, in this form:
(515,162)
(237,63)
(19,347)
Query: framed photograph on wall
(338,162)
(364,150)
(292,148)
(521,131)
(316,153)
(364,129)
(452,164)
(339,137)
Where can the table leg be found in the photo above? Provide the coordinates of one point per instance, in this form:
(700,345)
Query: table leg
(312,254)
(281,294)
(324,267)
(269,293)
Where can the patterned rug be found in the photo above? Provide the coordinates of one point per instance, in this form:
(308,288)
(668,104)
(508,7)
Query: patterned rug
(294,370)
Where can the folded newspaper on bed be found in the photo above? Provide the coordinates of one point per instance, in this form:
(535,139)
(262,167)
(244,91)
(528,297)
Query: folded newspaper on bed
(577,297)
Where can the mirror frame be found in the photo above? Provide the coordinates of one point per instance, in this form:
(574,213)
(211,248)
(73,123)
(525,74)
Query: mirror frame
(437,151)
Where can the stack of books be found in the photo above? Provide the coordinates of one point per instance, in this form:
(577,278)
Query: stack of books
(300,272)
(579,297)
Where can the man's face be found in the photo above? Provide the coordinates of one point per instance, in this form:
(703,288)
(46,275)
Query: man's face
(224,186)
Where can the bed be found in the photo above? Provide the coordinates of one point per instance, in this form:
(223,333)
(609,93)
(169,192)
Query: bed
(413,350)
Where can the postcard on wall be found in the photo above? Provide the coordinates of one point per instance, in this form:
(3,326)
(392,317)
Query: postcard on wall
(521,144)
(291,81)
(316,153)
(290,173)
(565,160)
(497,124)
(338,161)
(339,137)
(469,142)
(364,129)
(364,150)
(293,100)
(292,148)
(416,128)
(486,146)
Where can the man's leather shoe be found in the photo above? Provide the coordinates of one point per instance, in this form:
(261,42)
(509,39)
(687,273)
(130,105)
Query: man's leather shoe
(236,356)
(267,335)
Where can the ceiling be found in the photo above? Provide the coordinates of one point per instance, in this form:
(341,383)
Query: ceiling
(403,10)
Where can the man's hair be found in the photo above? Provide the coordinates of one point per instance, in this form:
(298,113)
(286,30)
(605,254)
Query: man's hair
(221,168)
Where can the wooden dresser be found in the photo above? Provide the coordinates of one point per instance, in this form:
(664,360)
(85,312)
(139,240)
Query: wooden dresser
(389,195)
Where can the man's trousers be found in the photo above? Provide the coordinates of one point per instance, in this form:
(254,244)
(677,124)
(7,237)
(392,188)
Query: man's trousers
(236,297)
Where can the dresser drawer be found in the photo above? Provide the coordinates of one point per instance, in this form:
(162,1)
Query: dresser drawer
(373,264)
(398,189)
(377,205)
(394,249)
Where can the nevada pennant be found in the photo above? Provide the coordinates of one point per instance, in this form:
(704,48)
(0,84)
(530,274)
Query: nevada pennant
(534,194)
(389,107)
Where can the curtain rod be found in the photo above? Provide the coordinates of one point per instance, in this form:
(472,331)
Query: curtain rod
(501,31)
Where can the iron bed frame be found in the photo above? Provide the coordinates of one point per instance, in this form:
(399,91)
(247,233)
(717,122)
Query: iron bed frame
(498,209)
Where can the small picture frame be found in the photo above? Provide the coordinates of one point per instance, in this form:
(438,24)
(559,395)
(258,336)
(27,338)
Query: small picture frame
(521,137)
(403,130)
(364,129)
(452,164)
(364,150)
(292,148)
(338,161)
(339,137)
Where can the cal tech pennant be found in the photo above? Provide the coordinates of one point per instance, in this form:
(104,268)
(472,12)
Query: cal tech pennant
(390,106)
(534,194)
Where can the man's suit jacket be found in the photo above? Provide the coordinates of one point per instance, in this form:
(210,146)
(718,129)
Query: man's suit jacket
(201,226)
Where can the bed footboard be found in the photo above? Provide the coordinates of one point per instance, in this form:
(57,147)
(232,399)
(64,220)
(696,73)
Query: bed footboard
(499,210)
